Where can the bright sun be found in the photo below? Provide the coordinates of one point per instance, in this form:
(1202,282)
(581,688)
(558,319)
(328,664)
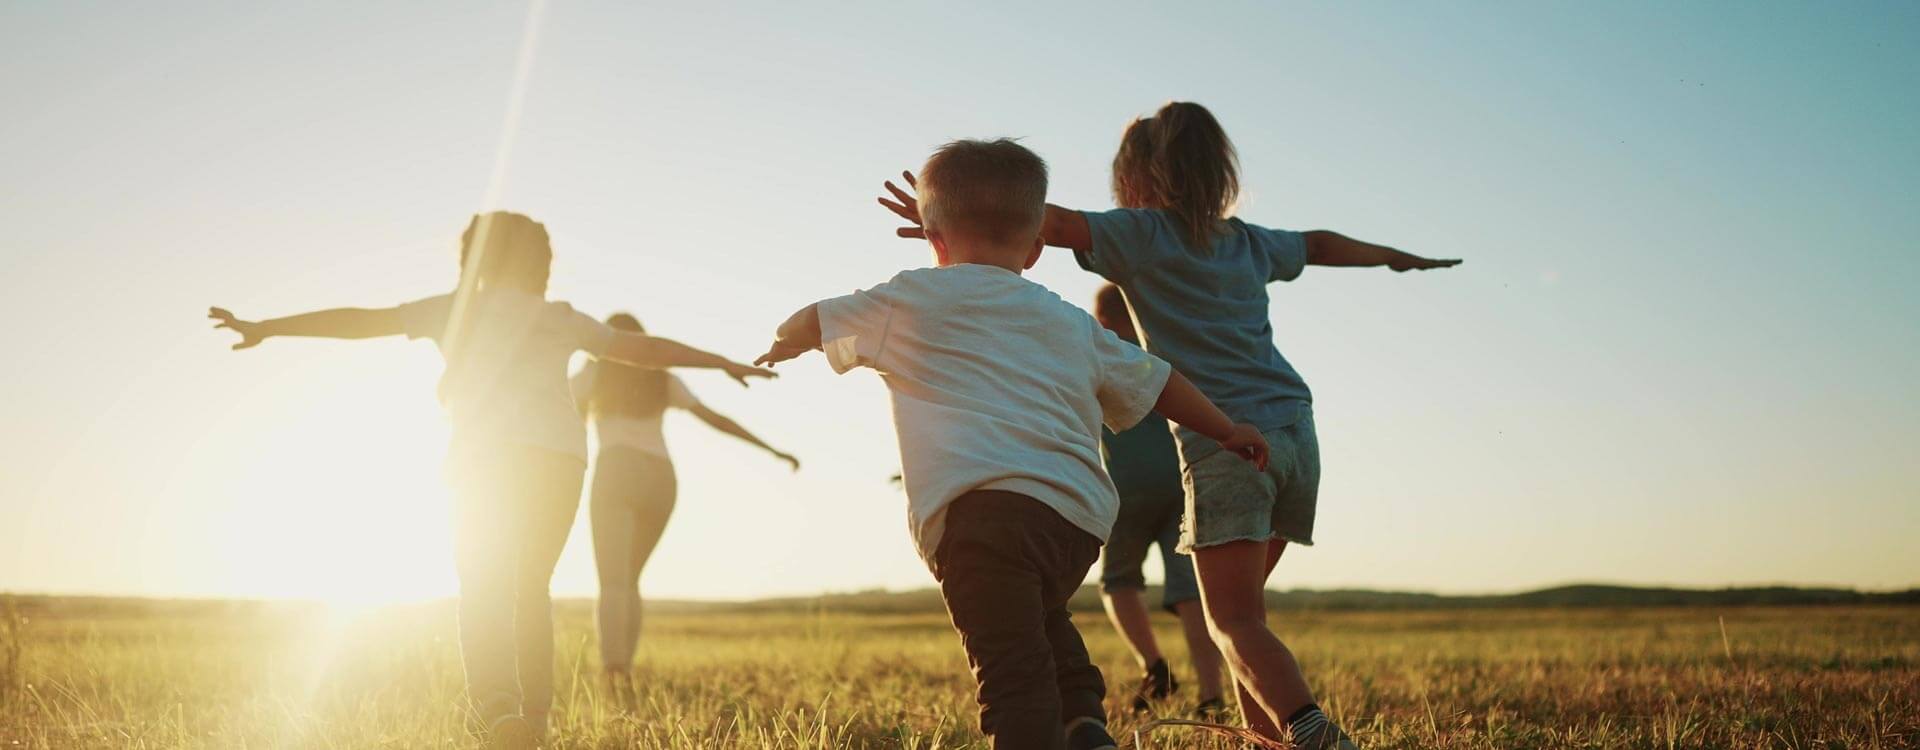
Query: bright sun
(338,494)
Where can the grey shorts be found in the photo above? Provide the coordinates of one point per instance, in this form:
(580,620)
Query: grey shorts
(1228,500)
(1147,519)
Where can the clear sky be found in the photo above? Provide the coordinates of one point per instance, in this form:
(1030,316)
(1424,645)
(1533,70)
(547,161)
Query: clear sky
(1684,348)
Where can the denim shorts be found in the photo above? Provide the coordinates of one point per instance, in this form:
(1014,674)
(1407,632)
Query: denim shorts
(1229,500)
(1147,519)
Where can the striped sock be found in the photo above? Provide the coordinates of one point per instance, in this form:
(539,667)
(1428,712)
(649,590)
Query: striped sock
(1310,728)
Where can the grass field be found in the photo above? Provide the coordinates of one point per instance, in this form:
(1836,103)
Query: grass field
(268,676)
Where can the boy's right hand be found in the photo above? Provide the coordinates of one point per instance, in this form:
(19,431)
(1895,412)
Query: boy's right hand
(250,332)
(1246,442)
(906,207)
(781,351)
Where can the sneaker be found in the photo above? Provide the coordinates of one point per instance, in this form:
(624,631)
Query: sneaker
(511,732)
(1090,734)
(1312,730)
(1155,684)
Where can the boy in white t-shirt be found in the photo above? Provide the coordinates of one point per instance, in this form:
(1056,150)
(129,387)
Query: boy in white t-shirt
(999,389)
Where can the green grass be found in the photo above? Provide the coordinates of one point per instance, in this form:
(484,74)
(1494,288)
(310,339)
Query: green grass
(273,676)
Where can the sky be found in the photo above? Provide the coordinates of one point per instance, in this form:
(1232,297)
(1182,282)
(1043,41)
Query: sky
(1684,348)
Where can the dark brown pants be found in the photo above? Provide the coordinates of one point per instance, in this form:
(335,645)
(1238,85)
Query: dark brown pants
(1007,564)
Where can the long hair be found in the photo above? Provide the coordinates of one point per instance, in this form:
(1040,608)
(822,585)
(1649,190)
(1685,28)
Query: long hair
(625,390)
(1181,161)
(499,250)
(514,251)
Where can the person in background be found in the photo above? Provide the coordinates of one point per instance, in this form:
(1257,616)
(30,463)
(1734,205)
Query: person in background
(633,488)
(518,451)
(1146,471)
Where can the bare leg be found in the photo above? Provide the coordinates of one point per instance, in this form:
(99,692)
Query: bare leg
(650,523)
(1232,589)
(1200,648)
(1127,608)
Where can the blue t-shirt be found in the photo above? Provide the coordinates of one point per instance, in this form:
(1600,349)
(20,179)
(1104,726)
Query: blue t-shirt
(1142,461)
(1205,311)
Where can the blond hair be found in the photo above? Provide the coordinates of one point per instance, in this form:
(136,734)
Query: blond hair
(1179,160)
(993,190)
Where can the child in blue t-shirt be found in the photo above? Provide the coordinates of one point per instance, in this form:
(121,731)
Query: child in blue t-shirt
(1195,279)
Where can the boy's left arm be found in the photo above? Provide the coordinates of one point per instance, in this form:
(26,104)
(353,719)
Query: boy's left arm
(1129,376)
(1326,248)
(1183,404)
(799,334)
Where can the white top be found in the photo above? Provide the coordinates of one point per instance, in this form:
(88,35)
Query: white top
(510,385)
(997,384)
(644,434)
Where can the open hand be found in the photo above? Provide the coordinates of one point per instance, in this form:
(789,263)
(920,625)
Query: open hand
(906,207)
(1407,262)
(740,372)
(781,351)
(1246,442)
(250,333)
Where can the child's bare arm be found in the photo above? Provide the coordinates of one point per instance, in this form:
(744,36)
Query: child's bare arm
(799,334)
(1061,228)
(1326,248)
(641,350)
(340,323)
(1185,405)
(1064,227)
(725,424)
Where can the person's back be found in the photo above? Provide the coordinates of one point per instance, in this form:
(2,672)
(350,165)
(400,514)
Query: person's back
(1196,281)
(996,383)
(1209,307)
(506,376)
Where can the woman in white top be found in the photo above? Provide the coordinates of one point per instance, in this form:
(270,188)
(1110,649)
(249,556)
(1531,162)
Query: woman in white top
(518,451)
(633,486)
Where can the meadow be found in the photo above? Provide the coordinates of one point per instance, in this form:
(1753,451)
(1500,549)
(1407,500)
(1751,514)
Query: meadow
(81,674)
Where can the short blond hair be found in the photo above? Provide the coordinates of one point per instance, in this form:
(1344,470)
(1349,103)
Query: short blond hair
(994,190)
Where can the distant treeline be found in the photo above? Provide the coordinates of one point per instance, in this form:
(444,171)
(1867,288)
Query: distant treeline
(1580,595)
(928,600)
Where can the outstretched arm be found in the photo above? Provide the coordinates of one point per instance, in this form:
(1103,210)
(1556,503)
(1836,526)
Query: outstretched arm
(1326,248)
(1187,406)
(641,350)
(724,424)
(340,323)
(1065,227)
(1061,228)
(798,335)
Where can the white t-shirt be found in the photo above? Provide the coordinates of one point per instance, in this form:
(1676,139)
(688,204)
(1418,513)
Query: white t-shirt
(510,385)
(645,434)
(997,384)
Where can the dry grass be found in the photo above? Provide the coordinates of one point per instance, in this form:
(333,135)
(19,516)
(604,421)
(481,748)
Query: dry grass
(272,677)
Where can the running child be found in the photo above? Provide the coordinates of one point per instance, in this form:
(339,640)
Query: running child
(1145,469)
(999,388)
(1195,279)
